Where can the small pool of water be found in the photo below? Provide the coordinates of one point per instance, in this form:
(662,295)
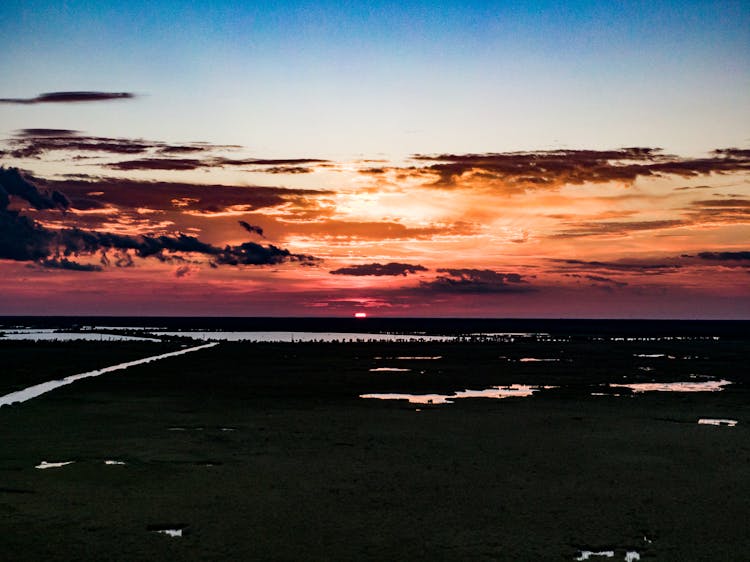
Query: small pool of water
(586,554)
(497,392)
(703,386)
(717,421)
(44,464)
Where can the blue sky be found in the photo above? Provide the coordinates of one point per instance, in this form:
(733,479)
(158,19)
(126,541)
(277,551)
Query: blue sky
(336,79)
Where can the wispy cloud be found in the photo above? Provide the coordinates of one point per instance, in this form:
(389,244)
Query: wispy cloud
(378,269)
(517,172)
(476,281)
(70,97)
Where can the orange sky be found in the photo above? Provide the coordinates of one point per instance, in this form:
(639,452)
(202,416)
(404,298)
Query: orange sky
(575,233)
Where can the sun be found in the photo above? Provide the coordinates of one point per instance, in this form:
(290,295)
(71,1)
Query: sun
(360,315)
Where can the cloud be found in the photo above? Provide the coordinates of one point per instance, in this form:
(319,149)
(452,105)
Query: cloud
(598,279)
(157,164)
(713,203)
(642,267)
(251,228)
(476,281)
(70,97)
(23,239)
(261,165)
(378,269)
(516,172)
(182,196)
(728,256)
(64,263)
(12,183)
(581,229)
(185,271)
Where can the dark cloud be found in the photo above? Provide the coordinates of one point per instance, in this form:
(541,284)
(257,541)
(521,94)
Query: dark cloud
(286,170)
(186,197)
(641,267)
(70,97)
(598,279)
(34,133)
(714,203)
(596,228)
(522,171)
(378,269)
(23,239)
(13,183)
(32,143)
(157,164)
(64,263)
(274,166)
(476,281)
(691,187)
(251,228)
(725,256)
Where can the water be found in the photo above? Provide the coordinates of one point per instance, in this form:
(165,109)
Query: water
(43,388)
(704,386)
(586,554)
(45,465)
(497,392)
(719,421)
(284,337)
(51,335)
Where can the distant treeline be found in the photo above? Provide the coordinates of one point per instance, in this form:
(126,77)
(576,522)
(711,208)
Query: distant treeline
(427,326)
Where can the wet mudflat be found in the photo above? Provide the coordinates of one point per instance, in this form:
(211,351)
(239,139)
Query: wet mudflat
(312,471)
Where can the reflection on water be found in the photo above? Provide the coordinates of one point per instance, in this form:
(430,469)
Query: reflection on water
(110,462)
(705,386)
(586,554)
(717,421)
(534,360)
(39,389)
(170,531)
(44,464)
(413,398)
(632,556)
(513,390)
(283,337)
(379,369)
(51,335)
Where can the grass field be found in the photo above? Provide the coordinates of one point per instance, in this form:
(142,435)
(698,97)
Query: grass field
(265,451)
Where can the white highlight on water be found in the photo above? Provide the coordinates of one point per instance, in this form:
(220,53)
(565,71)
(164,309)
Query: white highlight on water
(586,554)
(44,464)
(110,462)
(705,386)
(51,335)
(519,390)
(717,421)
(43,388)
(382,369)
(283,337)
(170,532)
(631,556)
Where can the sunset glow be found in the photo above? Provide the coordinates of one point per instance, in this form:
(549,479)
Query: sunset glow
(478,164)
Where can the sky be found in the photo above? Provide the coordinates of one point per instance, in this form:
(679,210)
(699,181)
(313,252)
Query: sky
(448,159)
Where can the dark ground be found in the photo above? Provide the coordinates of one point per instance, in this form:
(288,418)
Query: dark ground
(313,472)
